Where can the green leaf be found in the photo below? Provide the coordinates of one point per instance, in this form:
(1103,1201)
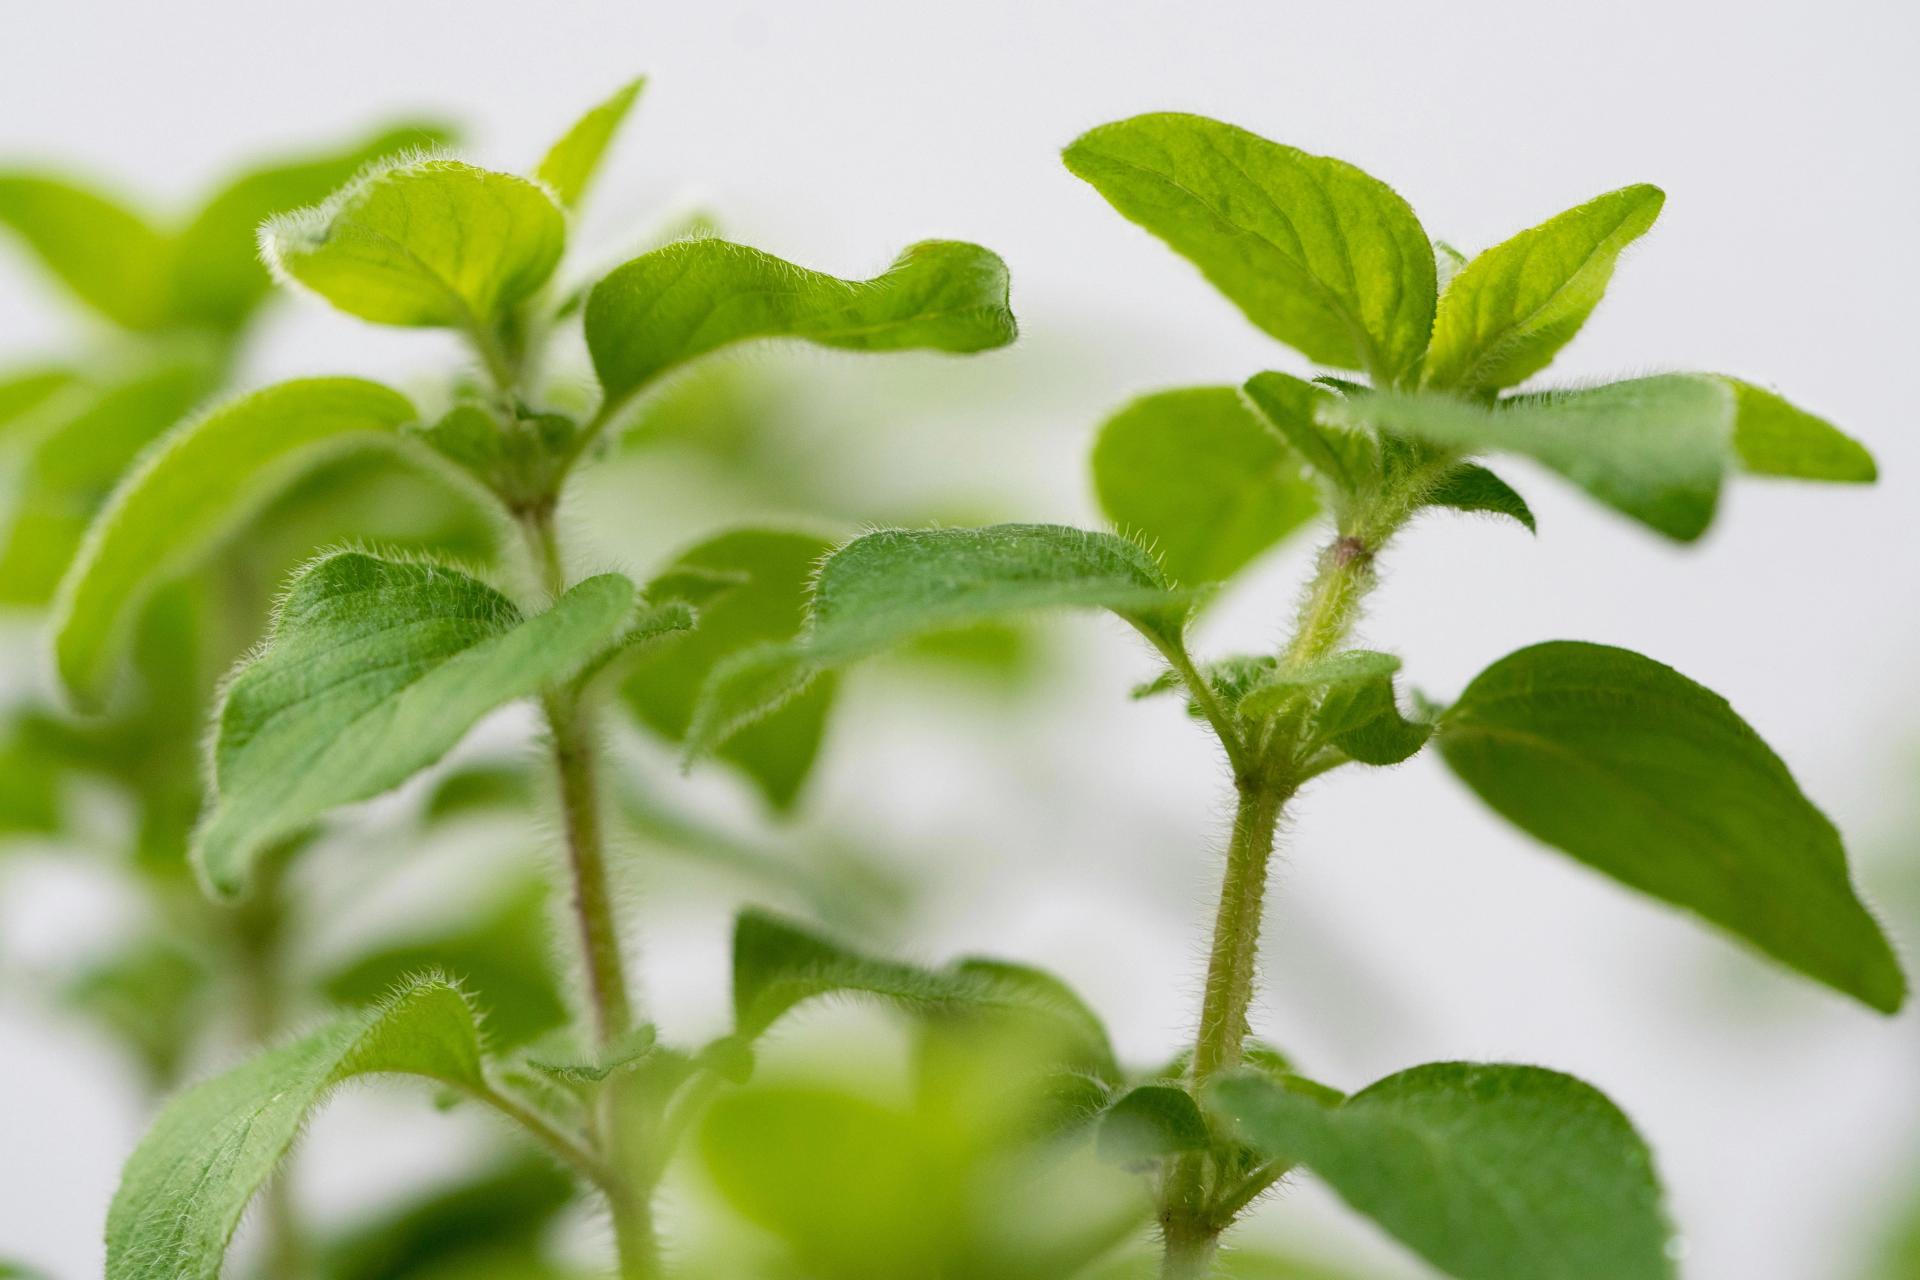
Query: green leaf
(1642,774)
(570,163)
(428,243)
(152,994)
(500,955)
(1775,438)
(1469,487)
(372,671)
(107,255)
(696,296)
(507,1207)
(24,391)
(1512,308)
(1489,1172)
(216,278)
(1288,405)
(1196,475)
(1325,258)
(187,1184)
(1149,1123)
(750,586)
(1653,448)
(887,588)
(199,483)
(1356,711)
(70,458)
(778,965)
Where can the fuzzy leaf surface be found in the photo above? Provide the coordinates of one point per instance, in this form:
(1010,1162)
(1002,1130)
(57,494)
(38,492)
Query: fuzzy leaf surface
(1644,775)
(1488,1171)
(1318,254)
(1472,488)
(373,670)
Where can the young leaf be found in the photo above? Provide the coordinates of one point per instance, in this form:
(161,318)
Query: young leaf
(106,254)
(887,588)
(186,1186)
(696,296)
(1511,309)
(1290,407)
(1357,711)
(1197,475)
(71,457)
(372,671)
(431,243)
(1489,1172)
(1642,774)
(201,481)
(778,965)
(215,277)
(750,586)
(1325,258)
(570,163)
(1652,448)
(1775,438)
(1151,1122)
(1470,487)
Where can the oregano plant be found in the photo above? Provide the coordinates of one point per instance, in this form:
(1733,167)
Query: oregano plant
(1489,1171)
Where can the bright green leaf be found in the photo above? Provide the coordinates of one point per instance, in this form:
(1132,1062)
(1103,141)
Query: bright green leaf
(1511,309)
(373,670)
(696,296)
(1469,487)
(24,391)
(887,588)
(1776,438)
(750,587)
(1197,476)
(1642,774)
(215,274)
(1653,448)
(1489,1172)
(186,1186)
(1325,258)
(1343,458)
(202,481)
(432,242)
(1149,1123)
(110,257)
(571,162)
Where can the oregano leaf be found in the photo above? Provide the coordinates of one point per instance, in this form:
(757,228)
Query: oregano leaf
(886,588)
(1773,437)
(212,1147)
(1510,309)
(1488,1171)
(1644,775)
(24,391)
(373,670)
(108,256)
(1291,407)
(1149,1123)
(1471,487)
(1197,475)
(570,163)
(1356,710)
(434,243)
(201,480)
(694,297)
(1315,252)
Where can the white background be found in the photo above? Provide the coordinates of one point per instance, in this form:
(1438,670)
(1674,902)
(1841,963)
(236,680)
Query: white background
(1408,924)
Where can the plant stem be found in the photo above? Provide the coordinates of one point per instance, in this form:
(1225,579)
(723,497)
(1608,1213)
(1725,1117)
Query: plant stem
(1236,932)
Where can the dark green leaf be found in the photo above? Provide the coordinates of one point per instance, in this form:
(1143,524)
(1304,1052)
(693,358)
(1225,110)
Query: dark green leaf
(1653,448)
(1489,1172)
(202,480)
(750,586)
(1326,259)
(456,1228)
(1511,309)
(890,587)
(431,242)
(373,670)
(696,296)
(570,163)
(1775,438)
(186,1186)
(1470,487)
(1197,476)
(1150,1122)
(110,257)
(1641,773)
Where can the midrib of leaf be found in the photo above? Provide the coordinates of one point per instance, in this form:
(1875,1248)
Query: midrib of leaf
(1363,341)
(1505,338)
